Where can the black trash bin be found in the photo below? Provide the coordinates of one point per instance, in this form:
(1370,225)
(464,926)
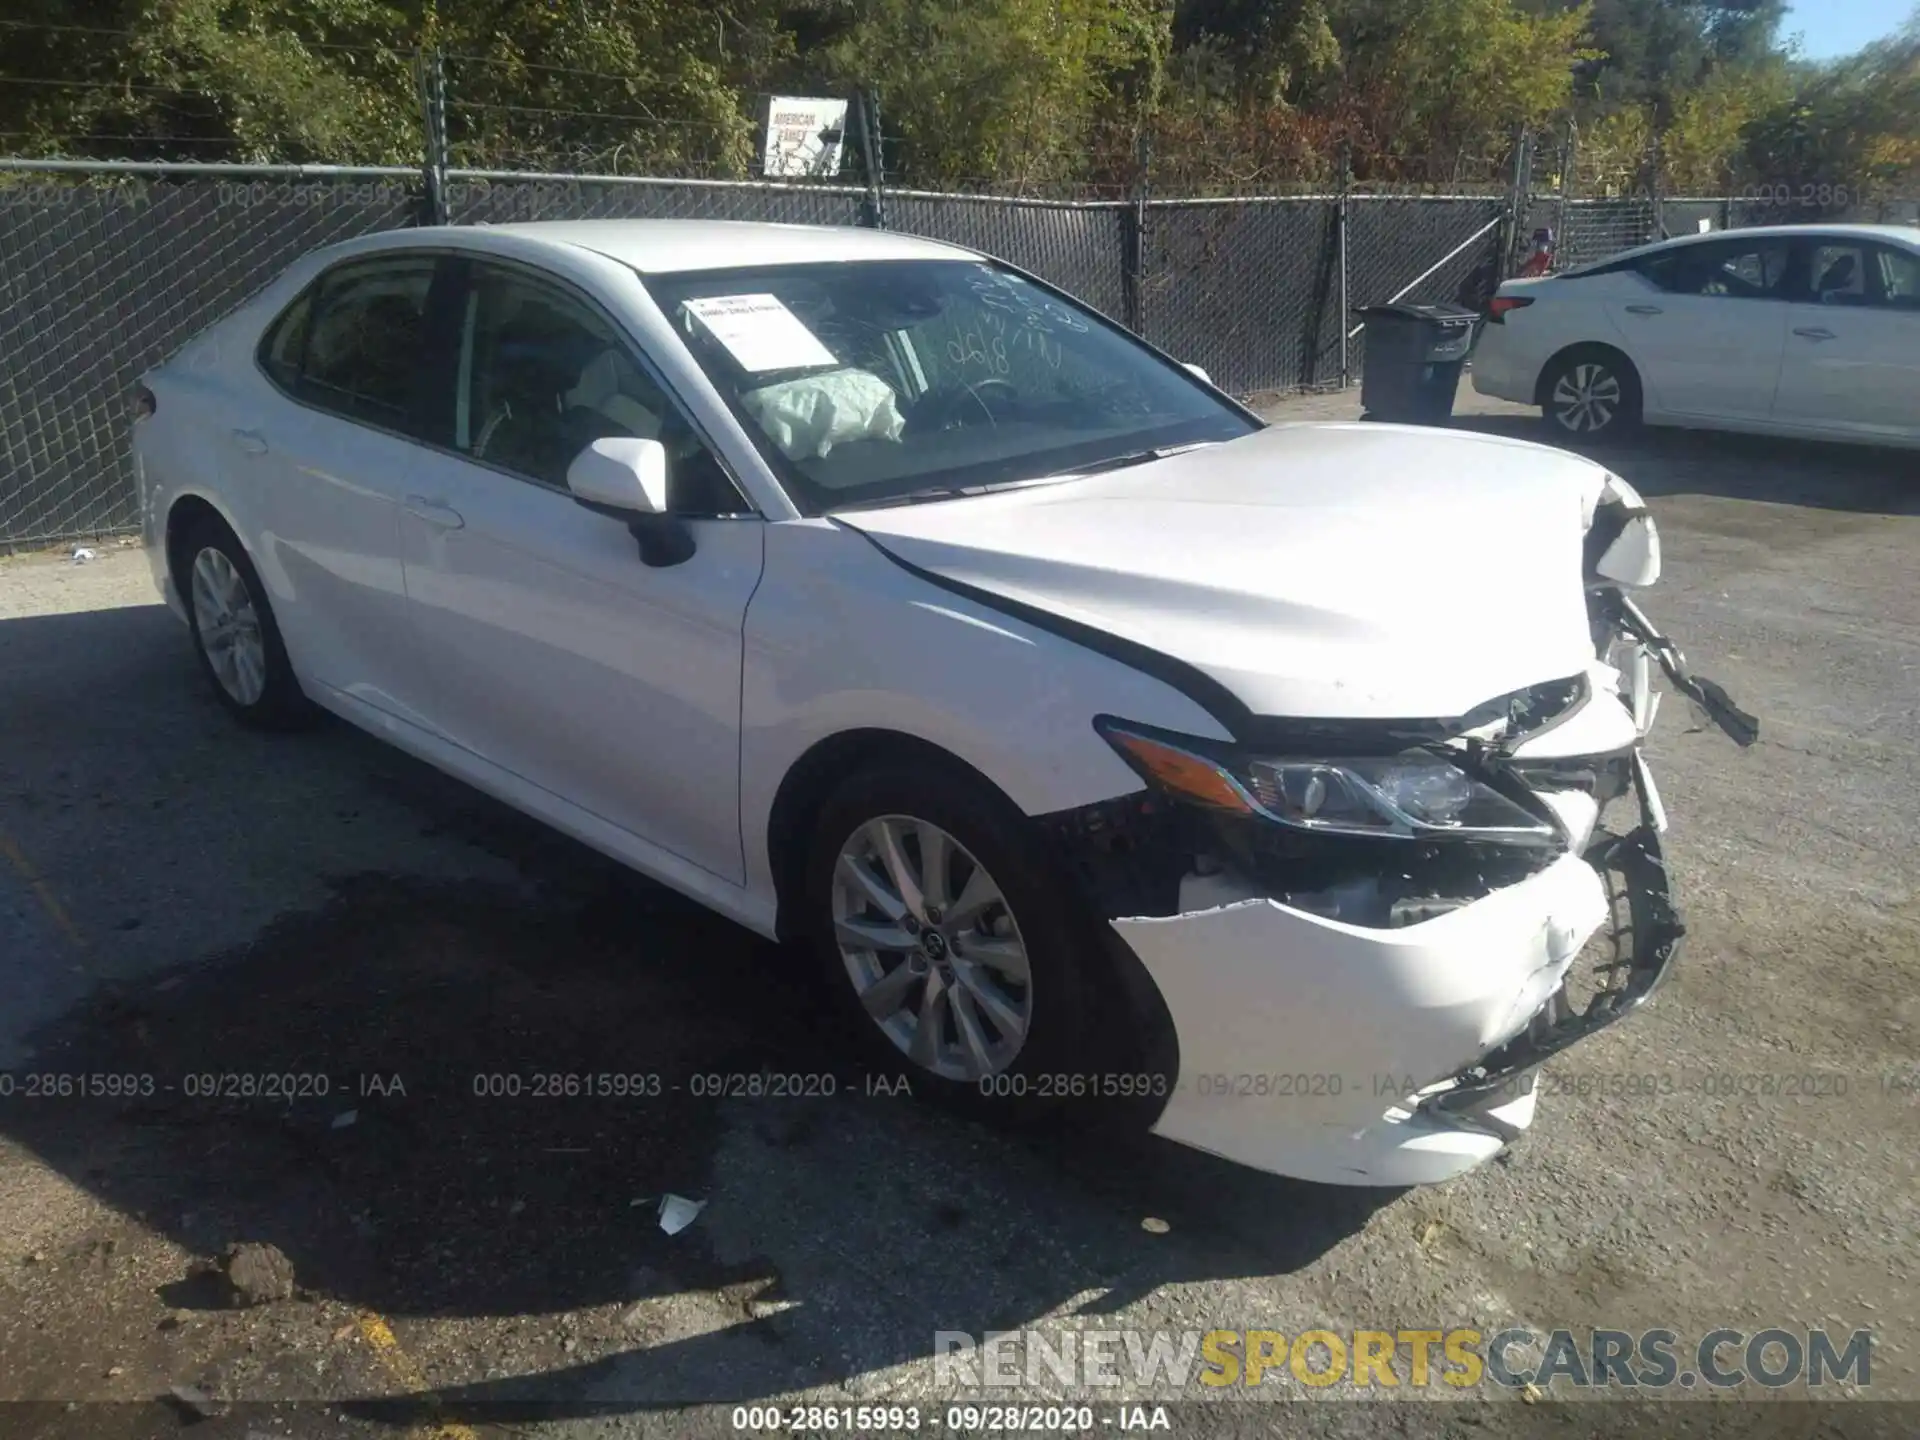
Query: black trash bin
(1415,354)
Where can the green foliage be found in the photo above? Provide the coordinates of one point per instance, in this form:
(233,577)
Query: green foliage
(1459,75)
(1017,94)
(1852,124)
(1005,90)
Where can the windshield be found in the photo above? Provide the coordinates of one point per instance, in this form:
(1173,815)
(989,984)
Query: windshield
(870,381)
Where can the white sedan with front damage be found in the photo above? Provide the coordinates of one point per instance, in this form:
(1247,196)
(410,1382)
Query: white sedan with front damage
(1106,747)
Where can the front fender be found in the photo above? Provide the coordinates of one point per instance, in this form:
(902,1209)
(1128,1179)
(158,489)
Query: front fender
(841,638)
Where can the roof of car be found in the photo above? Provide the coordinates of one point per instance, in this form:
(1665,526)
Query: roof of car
(1902,234)
(663,246)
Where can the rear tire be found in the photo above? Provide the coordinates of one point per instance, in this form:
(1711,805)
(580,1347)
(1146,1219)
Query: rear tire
(234,632)
(978,979)
(1592,393)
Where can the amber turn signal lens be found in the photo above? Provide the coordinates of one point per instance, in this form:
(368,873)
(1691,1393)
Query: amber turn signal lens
(1184,774)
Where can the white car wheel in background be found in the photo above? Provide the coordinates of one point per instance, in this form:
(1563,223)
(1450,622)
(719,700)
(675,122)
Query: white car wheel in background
(1591,394)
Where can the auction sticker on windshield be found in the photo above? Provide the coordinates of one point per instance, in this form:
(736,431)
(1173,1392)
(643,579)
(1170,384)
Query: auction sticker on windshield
(759,332)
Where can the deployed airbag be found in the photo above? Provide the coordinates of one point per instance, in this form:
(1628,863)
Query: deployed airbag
(807,417)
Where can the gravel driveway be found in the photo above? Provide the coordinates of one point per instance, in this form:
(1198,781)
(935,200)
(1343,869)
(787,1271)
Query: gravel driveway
(181,899)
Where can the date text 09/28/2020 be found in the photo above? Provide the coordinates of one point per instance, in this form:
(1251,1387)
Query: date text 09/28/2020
(961,1419)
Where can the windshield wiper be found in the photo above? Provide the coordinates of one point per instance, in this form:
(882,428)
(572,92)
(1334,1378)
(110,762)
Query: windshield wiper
(912,497)
(945,492)
(1134,457)
(958,492)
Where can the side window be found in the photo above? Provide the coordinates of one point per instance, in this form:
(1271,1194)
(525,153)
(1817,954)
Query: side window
(1839,274)
(542,375)
(1899,277)
(1737,269)
(286,341)
(363,355)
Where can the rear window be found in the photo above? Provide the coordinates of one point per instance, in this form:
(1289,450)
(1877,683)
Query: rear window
(286,342)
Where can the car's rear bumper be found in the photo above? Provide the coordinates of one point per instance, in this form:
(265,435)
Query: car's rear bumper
(1501,370)
(1350,1055)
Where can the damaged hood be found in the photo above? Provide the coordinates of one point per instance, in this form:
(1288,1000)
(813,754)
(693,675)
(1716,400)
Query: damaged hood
(1314,571)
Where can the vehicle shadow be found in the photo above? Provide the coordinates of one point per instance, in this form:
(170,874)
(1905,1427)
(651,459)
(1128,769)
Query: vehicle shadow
(400,1087)
(1663,462)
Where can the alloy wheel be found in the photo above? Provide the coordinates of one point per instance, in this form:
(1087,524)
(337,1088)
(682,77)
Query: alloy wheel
(1587,399)
(229,627)
(932,948)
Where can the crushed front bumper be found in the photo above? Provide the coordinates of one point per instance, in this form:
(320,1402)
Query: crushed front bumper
(1353,1055)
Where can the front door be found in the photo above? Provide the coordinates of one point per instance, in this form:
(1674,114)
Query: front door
(555,653)
(1853,344)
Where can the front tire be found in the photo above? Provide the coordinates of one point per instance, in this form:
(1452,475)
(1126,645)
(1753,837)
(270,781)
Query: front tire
(1592,393)
(234,633)
(956,954)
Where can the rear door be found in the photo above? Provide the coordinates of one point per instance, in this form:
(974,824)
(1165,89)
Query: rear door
(1710,326)
(1853,345)
(328,450)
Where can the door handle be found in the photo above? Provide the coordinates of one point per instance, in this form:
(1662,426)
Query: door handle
(1645,310)
(1816,334)
(435,512)
(251,441)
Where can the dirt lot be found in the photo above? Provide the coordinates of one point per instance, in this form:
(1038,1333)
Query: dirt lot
(182,899)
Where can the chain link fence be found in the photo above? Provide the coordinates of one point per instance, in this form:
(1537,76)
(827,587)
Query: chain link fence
(498,198)
(1080,246)
(100,280)
(104,272)
(1249,290)
(106,269)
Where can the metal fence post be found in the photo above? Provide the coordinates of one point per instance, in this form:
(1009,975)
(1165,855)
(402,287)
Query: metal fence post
(1569,162)
(1519,192)
(1657,183)
(866,109)
(1134,238)
(431,72)
(1342,230)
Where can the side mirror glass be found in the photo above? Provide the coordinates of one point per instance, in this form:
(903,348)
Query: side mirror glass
(621,473)
(1198,373)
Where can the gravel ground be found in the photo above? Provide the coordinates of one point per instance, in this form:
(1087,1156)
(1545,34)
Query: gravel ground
(181,898)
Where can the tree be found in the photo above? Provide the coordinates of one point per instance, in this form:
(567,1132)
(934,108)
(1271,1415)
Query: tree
(1654,52)
(1458,75)
(1847,129)
(1006,90)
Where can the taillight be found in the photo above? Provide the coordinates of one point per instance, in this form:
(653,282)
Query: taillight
(1501,304)
(143,402)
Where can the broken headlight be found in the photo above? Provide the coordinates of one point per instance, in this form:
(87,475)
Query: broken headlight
(1419,795)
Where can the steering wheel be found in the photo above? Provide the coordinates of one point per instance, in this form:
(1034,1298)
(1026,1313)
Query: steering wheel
(941,409)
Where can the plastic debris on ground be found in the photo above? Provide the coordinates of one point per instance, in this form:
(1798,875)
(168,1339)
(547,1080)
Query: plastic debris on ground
(677,1212)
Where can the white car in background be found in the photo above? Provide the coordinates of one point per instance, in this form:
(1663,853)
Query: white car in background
(1810,331)
(1102,743)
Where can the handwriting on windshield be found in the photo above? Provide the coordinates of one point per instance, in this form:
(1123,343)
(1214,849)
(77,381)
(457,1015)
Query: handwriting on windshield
(1002,295)
(970,347)
(989,344)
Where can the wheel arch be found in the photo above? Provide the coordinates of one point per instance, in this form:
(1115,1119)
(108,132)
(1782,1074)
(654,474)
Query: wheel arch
(1144,1034)
(187,509)
(810,780)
